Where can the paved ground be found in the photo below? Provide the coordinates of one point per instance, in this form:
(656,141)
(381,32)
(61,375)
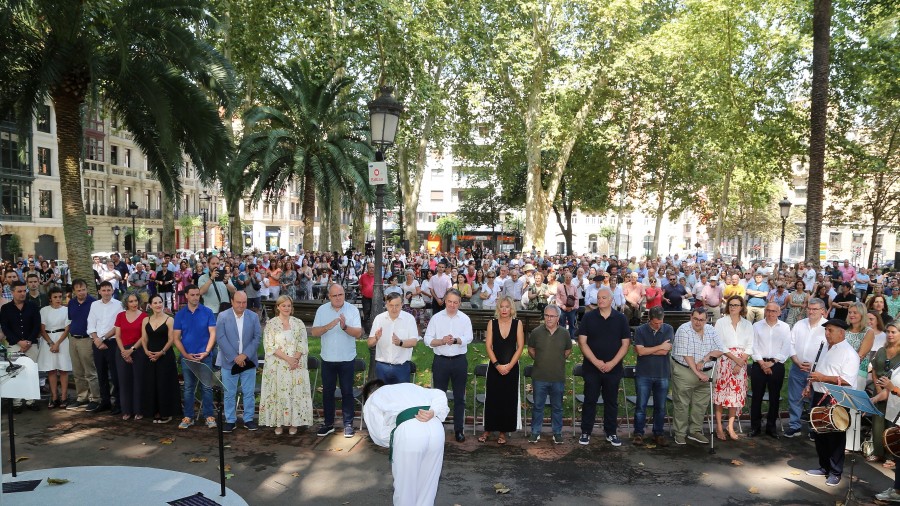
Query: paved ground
(270,469)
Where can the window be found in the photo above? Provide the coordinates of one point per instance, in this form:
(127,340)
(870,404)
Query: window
(592,243)
(437,172)
(147,202)
(437,195)
(43,118)
(46,204)
(834,240)
(94,196)
(128,200)
(44,157)
(800,193)
(15,199)
(857,238)
(879,240)
(113,197)
(114,155)
(9,152)
(93,149)
(127,160)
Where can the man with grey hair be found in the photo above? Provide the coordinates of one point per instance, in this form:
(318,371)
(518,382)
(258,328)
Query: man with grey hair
(807,338)
(652,344)
(549,345)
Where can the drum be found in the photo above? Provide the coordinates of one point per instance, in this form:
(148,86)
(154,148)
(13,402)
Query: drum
(892,441)
(829,419)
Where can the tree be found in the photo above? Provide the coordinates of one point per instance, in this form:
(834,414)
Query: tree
(313,133)
(449,227)
(482,206)
(13,247)
(164,83)
(818,126)
(189,225)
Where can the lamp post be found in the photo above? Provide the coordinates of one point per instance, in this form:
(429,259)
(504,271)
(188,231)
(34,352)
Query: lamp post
(230,232)
(649,244)
(400,203)
(384,118)
(1,243)
(116,231)
(628,238)
(865,246)
(204,209)
(132,211)
(785,207)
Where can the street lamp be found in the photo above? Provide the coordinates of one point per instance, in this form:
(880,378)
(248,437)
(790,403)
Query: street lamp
(384,118)
(204,209)
(1,243)
(132,211)
(628,238)
(785,207)
(116,231)
(865,245)
(649,242)
(230,233)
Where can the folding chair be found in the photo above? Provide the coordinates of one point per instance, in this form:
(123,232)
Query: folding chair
(359,365)
(577,398)
(313,364)
(479,398)
(631,373)
(412,371)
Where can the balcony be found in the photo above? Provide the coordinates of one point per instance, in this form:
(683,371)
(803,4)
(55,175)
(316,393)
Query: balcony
(93,166)
(15,217)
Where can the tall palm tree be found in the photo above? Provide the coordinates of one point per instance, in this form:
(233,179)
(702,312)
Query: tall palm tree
(311,132)
(139,59)
(818,126)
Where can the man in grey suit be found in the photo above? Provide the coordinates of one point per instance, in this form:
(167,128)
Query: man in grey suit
(238,334)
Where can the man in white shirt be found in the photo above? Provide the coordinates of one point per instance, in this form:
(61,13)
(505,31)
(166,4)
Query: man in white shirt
(771,347)
(809,277)
(394,335)
(449,333)
(101,326)
(807,342)
(838,366)
(590,293)
(513,288)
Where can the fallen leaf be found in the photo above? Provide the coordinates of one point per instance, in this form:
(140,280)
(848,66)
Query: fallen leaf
(101,448)
(227,467)
(795,473)
(20,459)
(753,490)
(641,464)
(736,462)
(229,476)
(167,440)
(295,475)
(501,488)
(57,481)
(198,459)
(650,446)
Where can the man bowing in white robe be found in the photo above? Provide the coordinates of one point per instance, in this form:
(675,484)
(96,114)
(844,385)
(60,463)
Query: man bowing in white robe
(408,419)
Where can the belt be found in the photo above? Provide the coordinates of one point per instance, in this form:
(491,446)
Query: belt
(55,331)
(769,359)
(390,364)
(79,336)
(404,416)
(452,357)
(687,366)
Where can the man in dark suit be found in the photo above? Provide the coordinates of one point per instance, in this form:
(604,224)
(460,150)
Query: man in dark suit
(238,334)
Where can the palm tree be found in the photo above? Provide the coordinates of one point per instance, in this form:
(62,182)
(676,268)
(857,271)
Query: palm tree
(312,133)
(138,59)
(818,126)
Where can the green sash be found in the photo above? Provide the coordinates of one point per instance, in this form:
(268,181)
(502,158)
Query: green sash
(404,416)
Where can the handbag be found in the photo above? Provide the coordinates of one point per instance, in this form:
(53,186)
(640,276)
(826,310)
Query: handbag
(570,299)
(417,302)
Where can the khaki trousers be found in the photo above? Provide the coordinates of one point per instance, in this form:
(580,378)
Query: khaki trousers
(87,387)
(690,399)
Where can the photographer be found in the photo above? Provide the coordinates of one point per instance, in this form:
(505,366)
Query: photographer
(216,287)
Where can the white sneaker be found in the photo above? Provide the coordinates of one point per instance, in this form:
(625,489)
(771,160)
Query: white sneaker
(889,495)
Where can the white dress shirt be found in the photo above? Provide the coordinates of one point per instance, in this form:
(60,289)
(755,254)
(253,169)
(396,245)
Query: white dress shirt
(806,338)
(771,341)
(441,324)
(840,360)
(102,317)
(405,328)
(741,337)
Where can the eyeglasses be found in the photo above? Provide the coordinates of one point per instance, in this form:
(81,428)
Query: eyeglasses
(699,320)
(551,315)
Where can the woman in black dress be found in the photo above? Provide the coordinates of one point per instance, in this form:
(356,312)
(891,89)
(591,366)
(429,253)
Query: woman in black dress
(504,341)
(161,397)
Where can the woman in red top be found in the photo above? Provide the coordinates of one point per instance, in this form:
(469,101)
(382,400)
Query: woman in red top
(131,360)
(654,294)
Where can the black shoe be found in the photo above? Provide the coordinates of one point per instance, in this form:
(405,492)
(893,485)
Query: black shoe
(115,411)
(251,425)
(33,406)
(18,409)
(811,435)
(460,437)
(755,433)
(772,433)
(228,428)
(103,407)
(92,407)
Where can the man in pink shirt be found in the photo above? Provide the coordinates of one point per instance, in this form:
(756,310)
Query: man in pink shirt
(847,272)
(439,284)
(635,293)
(712,295)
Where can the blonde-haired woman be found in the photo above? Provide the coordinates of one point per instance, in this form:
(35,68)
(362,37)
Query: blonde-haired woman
(285,398)
(861,337)
(504,341)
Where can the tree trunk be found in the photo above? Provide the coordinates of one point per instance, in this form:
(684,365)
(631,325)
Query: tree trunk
(168,220)
(876,227)
(75,230)
(324,224)
(308,209)
(359,222)
(235,237)
(723,210)
(335,229)
(818,127)
(660,210)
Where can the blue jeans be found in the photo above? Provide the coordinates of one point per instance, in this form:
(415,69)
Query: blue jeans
(392,374)
(332,374)
(644,386)
(567,319)
(541,389)
(796,383)
(247,380)
(190,391)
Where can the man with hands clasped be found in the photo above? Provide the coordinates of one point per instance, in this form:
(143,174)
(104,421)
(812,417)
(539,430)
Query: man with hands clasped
(195,337)
(449,332)
(394,335)
(339,326)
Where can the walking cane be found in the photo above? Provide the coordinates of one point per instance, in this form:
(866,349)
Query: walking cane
(712,437)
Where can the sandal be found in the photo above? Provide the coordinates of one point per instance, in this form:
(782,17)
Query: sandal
(734,436)
(279,431)
(138,417)
(292,431)
(502,439)
(873,458)
(126,417)
(721,436)
(64,404)
(888,464)
(484,437)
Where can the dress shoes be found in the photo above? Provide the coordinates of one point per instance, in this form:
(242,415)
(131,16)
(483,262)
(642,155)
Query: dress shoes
(460,437)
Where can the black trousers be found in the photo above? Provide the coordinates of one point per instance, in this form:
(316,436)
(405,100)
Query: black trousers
(105,361)
(367,313)
(597,383)
(830,445)
(761,382)
(453,371)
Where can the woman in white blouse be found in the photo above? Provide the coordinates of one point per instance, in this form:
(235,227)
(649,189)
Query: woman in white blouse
(731,375)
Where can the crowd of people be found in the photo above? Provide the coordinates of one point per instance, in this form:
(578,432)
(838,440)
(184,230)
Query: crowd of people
(745,326)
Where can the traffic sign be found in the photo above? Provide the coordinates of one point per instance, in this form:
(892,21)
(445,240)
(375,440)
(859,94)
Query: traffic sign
(377,173)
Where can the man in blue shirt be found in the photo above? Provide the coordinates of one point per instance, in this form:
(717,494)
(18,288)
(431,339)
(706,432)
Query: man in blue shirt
(195,336)
(652,344)
(339,326)
(757,291)
(81,350)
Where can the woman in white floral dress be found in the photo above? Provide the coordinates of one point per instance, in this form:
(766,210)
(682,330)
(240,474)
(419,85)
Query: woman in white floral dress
(286,398)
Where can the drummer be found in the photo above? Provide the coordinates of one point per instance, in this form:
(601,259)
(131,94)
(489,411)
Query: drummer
(838,366)
(890,392)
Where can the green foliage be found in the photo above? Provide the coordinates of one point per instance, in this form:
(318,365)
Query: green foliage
(449,225)
(189,224)
(13,246)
